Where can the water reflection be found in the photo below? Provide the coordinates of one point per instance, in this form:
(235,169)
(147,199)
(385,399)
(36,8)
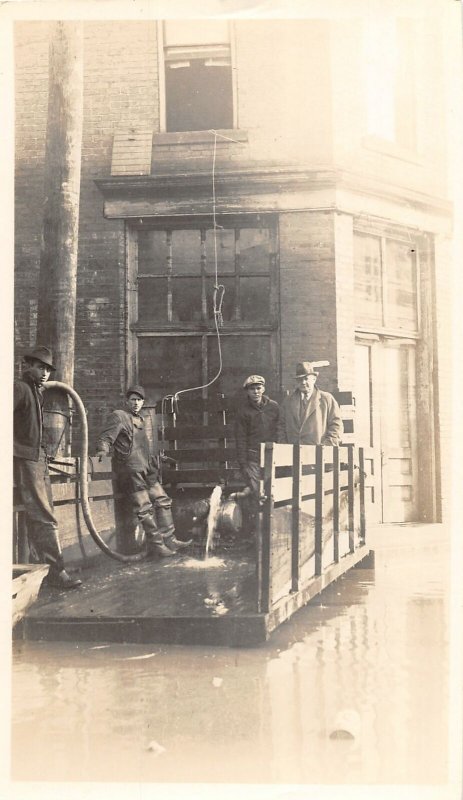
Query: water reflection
(376,644)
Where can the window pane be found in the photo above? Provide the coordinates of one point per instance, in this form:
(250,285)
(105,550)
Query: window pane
(225,251)
(186,252)
(198,96)
(367,280)
(255,249)
(255,299)
(167,364)
(152,300)
(243,356)
(229,299)
(401,286)
(190,32)
(186,300)
(152,252)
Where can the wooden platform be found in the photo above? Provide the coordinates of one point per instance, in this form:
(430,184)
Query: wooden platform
(180,601)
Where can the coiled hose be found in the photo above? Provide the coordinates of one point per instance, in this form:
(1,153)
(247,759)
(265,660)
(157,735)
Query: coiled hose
(83,479)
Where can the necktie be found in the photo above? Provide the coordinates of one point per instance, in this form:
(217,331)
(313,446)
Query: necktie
(304,404)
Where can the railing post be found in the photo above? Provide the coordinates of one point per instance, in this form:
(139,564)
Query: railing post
(296,517)
(265,534)
(362,495)
(319,503)
(351,496)
(336,497)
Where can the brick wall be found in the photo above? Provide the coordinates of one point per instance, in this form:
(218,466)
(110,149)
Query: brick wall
(308,294)
(120,79)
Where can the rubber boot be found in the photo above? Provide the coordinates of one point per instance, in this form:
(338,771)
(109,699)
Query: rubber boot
(166,526)
(154,539)
(164,521)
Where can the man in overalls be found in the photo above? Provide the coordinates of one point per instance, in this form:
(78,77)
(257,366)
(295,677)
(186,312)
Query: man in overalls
(137,474)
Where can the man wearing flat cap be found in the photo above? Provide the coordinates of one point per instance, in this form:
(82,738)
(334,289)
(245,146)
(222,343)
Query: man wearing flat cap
(31,468)
(310,416)
(137,474)
(257,421)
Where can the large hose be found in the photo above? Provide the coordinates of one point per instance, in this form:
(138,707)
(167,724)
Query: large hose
(83,478)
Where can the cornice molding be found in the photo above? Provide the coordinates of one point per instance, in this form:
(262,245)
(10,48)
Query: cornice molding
(272,188)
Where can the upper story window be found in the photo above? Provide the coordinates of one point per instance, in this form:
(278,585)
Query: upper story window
(390,80)
(198,75)
(385,284)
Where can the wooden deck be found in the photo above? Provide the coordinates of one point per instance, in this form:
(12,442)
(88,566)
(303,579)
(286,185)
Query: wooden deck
(311,529)
(179,601)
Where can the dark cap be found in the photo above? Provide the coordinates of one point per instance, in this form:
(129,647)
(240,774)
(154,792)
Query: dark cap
(254,380)
(42,354)
(304,368)
(136,390)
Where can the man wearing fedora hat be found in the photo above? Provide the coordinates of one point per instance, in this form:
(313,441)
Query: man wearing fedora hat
(310,416)
(137,474)
(31,469)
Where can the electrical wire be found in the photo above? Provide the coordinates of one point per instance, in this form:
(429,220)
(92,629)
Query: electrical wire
(217,296)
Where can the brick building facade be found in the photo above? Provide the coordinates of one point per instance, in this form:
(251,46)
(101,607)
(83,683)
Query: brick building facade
(332,213)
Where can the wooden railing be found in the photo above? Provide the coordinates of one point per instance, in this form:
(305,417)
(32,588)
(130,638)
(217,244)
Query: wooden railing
(313,514)
(64,477)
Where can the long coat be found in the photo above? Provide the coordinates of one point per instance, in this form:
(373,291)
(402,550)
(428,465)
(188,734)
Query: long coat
(28,424)
(322,422)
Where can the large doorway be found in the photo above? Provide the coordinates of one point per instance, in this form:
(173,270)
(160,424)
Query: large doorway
(385,396)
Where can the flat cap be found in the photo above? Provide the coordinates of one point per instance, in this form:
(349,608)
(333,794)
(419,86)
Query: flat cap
(135,389)
(254,380)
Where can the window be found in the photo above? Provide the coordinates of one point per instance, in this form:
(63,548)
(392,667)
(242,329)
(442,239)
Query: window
(198,75)
(176,275)
(385,283)
(171,315)
(390,80)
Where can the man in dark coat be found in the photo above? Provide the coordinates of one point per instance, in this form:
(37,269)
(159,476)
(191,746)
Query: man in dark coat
(308,415)
(137,474)
(31,468)
(257,421)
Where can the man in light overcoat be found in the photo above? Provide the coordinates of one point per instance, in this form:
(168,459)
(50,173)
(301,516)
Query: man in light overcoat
(308,415)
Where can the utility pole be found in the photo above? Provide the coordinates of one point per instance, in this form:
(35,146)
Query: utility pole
(58,256)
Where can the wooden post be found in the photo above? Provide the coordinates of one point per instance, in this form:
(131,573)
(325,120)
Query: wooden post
(296,517)
(351,496)
(319,503)
(336,496)
(265,529)
(58,257)
(362,495)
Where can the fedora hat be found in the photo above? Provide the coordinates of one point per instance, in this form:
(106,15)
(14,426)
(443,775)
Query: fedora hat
(135,389)
(304,368)
(254,380)
(42,354)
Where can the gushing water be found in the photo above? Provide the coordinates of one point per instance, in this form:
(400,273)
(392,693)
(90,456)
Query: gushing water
(214,510)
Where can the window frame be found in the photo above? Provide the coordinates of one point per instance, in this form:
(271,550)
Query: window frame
(386,328)
(204,332)
(162,78)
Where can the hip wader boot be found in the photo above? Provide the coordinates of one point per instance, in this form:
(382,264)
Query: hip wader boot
(166,527)
(154,539)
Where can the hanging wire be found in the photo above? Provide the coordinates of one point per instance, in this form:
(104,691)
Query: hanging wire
(217,301)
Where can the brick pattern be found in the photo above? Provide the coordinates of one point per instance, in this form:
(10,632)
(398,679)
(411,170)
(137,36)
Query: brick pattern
(308,294)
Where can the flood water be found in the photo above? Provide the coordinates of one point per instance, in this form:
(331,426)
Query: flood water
(375,644)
